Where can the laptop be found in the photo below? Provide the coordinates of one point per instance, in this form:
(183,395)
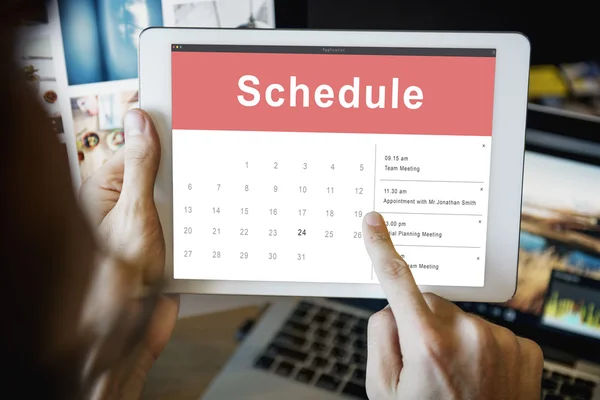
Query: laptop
(315,348)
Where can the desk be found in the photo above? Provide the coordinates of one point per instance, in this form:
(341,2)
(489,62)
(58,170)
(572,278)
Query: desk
(199,348)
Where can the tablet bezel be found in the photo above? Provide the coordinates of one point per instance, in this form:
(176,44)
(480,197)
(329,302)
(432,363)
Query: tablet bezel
(508,138)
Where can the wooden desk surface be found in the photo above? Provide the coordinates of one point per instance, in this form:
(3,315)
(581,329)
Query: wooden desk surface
(199,348)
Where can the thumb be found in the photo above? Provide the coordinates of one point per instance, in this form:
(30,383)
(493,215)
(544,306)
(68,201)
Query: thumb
(142,155)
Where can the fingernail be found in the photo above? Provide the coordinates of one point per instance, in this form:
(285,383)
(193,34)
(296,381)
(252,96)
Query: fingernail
(134,123)
(374,219)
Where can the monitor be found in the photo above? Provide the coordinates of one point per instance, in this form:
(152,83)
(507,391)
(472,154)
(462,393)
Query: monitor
(559,260)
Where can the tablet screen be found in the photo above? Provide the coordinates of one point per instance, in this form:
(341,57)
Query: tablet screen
(279,152)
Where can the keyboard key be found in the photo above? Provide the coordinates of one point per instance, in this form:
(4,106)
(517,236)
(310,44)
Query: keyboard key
(360,344)
(576,390)
(321,333)
(328,382)
(354,390)
(325,311)
(584,382)
(359,375)
(359,359)
(318,347)
(296,355)
(358,330)
(340,369)
(297,326)
(264,362)
(558,375)
(323,315)
(299,314)
(284,368)
(288,338)
(549,384)
(319,319)
(345,317)
(338,324)
(305,375)
(362,353)
(341,339)
(320,362)
(304,306)
(338,352)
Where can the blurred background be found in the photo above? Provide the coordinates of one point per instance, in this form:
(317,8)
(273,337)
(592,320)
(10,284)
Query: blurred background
(80,57)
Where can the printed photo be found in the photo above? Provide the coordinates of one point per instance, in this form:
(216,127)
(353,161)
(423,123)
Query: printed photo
(100,37)
(37,64)
(560,226)
(224,14)
(98,126)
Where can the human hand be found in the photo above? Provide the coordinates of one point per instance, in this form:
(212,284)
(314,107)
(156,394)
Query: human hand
(119,200)
(424,347)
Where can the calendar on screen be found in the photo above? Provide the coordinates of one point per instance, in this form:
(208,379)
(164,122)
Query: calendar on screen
(279,152)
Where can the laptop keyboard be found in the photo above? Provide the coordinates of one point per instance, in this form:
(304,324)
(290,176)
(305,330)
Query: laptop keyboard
(321,347)
(325,348)
(562,386)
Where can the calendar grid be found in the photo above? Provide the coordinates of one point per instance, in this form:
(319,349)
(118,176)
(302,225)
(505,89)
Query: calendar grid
(288,206)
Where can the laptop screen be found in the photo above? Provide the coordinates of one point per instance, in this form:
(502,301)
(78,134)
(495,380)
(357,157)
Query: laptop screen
(559,260)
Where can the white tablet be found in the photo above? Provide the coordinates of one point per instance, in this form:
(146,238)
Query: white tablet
(276,143)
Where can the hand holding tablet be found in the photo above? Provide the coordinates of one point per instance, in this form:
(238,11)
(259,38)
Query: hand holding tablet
(277,144)
(420,335)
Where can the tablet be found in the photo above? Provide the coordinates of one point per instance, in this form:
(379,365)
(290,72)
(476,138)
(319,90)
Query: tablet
(276,143)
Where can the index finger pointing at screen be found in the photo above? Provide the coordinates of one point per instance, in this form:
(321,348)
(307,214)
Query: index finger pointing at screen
(394,274)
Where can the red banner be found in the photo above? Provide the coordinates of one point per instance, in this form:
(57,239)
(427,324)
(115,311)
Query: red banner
(434,95)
